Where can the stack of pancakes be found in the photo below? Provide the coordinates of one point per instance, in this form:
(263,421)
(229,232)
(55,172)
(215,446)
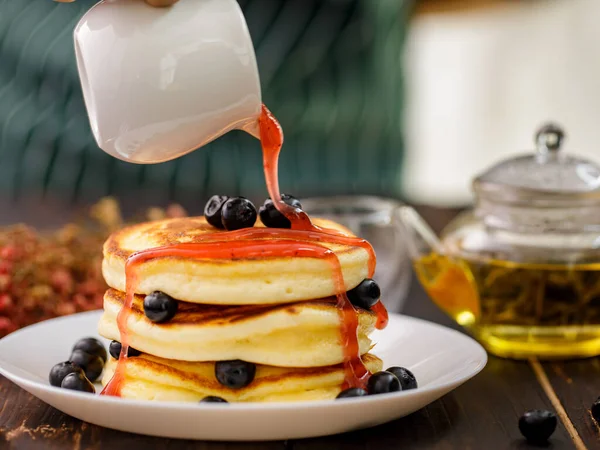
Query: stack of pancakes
(278,313)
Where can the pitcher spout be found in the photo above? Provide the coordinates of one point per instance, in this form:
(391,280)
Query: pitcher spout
(447,280)
(421,240)
(252,127)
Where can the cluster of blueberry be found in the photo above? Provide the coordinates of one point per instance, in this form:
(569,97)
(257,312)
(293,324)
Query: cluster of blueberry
(394,379)
(238,374)
(89,355)
(235,213)
(83,367)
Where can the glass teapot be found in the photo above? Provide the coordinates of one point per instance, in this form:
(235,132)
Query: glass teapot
(521,270)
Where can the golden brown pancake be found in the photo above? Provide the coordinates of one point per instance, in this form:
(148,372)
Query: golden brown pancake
(243,281)
(303,334)
(151,378)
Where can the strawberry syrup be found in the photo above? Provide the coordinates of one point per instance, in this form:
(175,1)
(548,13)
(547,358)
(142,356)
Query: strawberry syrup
(303,240)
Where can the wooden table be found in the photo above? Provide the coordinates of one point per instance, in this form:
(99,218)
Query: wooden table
(482,414)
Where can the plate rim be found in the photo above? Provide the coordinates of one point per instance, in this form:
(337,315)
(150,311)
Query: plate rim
(481,359)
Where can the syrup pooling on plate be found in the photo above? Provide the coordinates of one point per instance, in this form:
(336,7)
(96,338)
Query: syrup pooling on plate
(303,240)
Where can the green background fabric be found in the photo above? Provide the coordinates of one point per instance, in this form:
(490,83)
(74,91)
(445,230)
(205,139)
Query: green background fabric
(330,71)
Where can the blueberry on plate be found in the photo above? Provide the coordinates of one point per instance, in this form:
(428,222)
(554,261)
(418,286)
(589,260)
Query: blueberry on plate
(92,365)
(213,399)
(352,392)
(61,370)
(405,376)
(365,295)
(238,213)
(595,410)
(270,215)
(78,382)
(212,210)
(92,346)
(115,350)
(160,307)
(235,374)
(382,383)
(537,425)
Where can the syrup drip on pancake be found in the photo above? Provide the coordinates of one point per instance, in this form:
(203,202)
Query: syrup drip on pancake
(304,239)
(113,387)
(382,315)
(271,137)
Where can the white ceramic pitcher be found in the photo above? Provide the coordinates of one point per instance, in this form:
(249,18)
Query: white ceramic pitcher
(161,82)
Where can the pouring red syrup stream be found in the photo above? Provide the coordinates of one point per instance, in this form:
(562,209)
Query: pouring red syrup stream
(301,241)
(271,139)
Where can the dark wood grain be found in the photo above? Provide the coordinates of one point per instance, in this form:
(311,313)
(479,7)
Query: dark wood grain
(482,414)
(28,423)
(577,385)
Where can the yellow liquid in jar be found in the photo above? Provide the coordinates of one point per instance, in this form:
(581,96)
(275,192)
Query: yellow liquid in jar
(519,310)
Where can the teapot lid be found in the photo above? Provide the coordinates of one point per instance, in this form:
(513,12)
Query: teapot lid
(547,174)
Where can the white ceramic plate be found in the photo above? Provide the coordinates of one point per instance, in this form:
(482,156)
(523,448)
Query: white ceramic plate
(440,358)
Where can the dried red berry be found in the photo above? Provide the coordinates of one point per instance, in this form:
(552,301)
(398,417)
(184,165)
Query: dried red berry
(64,309)
(5,266)
(62,280)
(5,303)
(48,275)
(4,282)
(9,252)
(6,326)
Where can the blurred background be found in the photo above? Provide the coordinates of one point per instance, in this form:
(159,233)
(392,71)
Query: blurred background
(397,98)
(482,75)
(404,99)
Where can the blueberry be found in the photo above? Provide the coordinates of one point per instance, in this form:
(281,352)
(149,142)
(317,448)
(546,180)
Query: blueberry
(115,350)
(537,425)
(365,295)
(213,399)
(92,365)
(238,213)
(270,215)
(78,382)
(235,374)
(596,410)
(159,307)
(212,210)
(382,383)
(92,346)
(352,392)
(405,376)
(61,370)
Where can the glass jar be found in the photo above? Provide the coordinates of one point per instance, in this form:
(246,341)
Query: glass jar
(376,220)
(521,270)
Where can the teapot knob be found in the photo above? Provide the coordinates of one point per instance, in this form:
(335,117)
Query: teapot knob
(549,139)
